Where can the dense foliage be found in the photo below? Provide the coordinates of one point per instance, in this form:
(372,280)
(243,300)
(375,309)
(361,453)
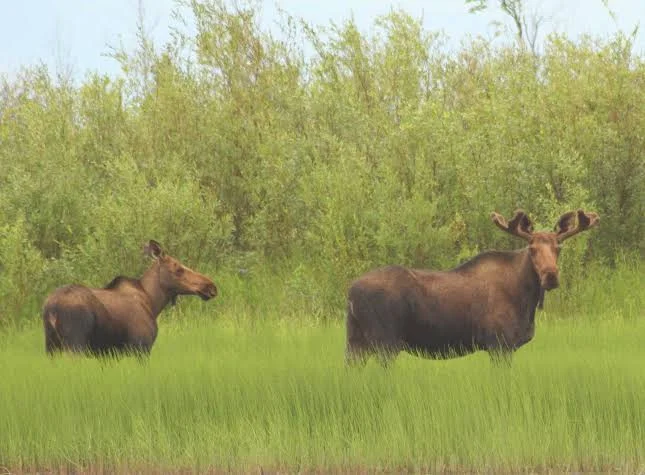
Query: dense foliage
(315,154)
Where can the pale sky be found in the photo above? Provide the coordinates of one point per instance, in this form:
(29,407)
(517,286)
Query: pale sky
(77,32)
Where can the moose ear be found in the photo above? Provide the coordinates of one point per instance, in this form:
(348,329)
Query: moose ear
(153,249)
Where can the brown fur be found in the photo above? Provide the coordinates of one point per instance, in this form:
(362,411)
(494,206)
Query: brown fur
(122,316)
(487,303)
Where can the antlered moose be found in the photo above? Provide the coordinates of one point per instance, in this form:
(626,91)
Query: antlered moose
(122,316)
(487,303)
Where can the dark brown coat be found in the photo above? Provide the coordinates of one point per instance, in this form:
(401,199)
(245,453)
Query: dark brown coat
(487,303)
(122,316)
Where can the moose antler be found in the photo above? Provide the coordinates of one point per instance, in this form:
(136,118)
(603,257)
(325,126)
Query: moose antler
(565,227)
(520,225)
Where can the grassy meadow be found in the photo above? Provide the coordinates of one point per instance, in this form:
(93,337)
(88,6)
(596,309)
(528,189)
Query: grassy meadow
(217,395)
(284,167)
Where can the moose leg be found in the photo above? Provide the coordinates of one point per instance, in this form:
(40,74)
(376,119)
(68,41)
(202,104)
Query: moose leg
(78,333)
(139,346)
(369,339)
(53,340)
(499,350)
(142,353)
(356,355)
(501,357)
(53,343)
(357,349)
(65,332)
(386,356)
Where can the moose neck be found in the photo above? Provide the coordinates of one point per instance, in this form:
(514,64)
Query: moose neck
(151,283)
(528,280)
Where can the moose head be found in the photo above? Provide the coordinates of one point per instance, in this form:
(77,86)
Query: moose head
(544,247)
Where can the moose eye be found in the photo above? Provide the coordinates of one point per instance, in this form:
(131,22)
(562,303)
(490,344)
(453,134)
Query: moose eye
(179,271)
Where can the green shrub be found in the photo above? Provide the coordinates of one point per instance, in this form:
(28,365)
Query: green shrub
(241,153)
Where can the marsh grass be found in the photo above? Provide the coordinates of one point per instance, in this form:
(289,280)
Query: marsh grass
(276,395)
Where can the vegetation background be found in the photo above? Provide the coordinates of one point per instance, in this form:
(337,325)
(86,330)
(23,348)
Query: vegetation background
(286,166)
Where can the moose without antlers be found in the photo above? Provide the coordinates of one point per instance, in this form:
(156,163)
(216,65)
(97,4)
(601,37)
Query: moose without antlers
(487,303)
(122,316)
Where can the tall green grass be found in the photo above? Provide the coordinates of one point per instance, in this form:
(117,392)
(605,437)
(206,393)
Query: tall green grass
(276,395)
